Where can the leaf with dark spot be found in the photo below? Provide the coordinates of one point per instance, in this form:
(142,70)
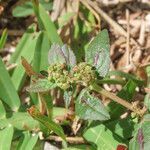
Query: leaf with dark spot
(97,53)
(61,55)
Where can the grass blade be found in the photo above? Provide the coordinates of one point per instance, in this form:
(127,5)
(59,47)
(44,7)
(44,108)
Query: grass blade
(8,93)
(18,76)
(46,23)
(49,124)
(27,142)
(2,110)
(26,39)
(3,39)
(6,138)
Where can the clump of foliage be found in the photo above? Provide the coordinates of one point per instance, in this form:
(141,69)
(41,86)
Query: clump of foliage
(80,84)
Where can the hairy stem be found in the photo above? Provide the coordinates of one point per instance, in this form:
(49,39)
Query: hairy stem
(115,98)
(47,99)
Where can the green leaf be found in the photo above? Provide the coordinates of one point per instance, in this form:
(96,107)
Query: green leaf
(126,93)
(97,53)
(122,127)
(49,124)
(61,55)
(8,93)
(2,110)
(40,61)
(6,137)
(127,76)
(27,142)
(89,107)
(41,85)
(67,98)
(3,39)
(26,8)
(19,74)
(102,137)
(22,121)
(22,45)
(46,24)
(23,10)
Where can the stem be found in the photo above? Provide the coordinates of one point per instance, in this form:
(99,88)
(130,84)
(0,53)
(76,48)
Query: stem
(71,140)
(111,81)
(47,99)
(115,98)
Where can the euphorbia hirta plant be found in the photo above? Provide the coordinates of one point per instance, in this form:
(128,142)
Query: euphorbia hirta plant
(78,81)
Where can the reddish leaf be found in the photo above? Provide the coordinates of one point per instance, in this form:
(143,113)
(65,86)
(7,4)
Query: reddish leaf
(121,147)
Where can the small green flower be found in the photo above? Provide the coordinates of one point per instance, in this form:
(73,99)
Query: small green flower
(84,73)
(81,73)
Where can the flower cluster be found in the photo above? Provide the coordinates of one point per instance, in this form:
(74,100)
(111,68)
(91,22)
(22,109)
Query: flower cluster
(81,73)
(58,73)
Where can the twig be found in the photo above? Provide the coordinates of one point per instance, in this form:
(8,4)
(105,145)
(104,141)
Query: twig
(14,32)
(91,9)
(142,33)
(112,23)
(117,99)
(72,140)
(128,38)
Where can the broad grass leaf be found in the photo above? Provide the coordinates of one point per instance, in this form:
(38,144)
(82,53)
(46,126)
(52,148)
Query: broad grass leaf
(58,54)
(41,85)
(22,121)
(6,135)
(39,60)
(48,123)
(19,75)
(2,110)
(23,10)
(26,39)
(97,53)
(100,135)
(46,24)
(41,52)
(27,141)
(3,39)
(8,93)
(26,8)
(89,107)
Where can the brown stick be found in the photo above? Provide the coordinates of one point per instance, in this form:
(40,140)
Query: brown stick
(71,140)
(111,22)
(92,10)
(128,37)
(117,99)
